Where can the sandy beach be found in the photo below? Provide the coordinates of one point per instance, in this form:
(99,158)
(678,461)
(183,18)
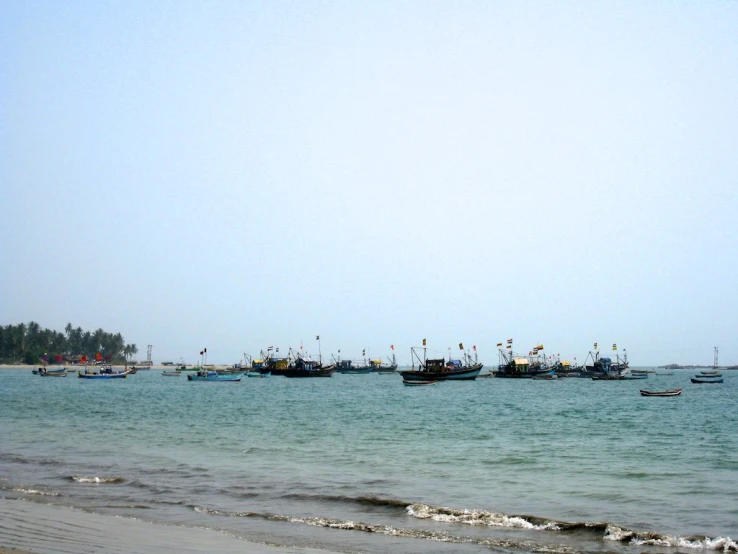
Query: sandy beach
(29,527)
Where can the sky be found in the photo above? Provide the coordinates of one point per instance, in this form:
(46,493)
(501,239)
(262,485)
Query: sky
(235,175)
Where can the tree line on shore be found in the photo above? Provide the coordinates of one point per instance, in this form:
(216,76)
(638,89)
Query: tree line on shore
(28,343)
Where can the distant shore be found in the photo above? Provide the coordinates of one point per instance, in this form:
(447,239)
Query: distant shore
(82,366)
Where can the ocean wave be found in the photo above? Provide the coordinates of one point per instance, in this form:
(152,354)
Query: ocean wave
(603,530)
(723,544)
(479,517)
(433,535)
(361,500)
(97,480)
(35,492)
(600,530)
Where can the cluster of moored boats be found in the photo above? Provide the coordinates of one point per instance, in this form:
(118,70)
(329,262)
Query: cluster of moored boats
(423,370)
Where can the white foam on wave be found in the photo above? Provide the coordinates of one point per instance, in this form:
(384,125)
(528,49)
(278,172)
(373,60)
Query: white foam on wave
(96,480)
(475,517)
(34,491)
(724,544)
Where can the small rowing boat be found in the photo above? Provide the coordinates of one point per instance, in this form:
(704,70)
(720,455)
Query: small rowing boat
(706,380)
(673,392)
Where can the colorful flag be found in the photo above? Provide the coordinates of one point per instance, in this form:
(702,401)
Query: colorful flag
(595,346)
(270,349)
(277,349)
(509,341)
(201,352)
(461,346)
(539,347)
(474,348)
(509,346)
(614,346)
(423,342)
(392,346)
(363,352)
(317,337)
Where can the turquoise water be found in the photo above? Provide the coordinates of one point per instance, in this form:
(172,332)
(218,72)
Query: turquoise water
(361,463)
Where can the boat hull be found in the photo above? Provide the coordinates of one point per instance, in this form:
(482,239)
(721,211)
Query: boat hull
(122,375)
(505,374)
(356,370)
(298,373)
(217,378)
(465,374)
(674,392)
(706,381)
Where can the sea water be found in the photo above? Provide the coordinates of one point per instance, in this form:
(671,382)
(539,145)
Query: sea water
(361,463)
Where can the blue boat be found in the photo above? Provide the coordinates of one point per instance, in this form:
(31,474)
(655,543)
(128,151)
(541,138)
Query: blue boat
(205,375)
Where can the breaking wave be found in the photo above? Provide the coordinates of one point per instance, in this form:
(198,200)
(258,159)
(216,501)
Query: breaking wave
(97,480)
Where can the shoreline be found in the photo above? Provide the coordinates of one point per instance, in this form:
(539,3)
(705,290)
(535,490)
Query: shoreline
(33,528)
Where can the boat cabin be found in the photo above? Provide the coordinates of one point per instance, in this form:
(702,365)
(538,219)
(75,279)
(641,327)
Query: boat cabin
(438,364)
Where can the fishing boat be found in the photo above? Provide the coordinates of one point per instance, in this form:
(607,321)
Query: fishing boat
(545,377)
(605,369)
(172,373)
(512,366)
(106,372)
(673,392)
(380,367)
(635,374)
(43,372)
(711,373)
(351,367)
(258,367)
(210,376)
(305,366)
(710,376)
(425,369)
(50,372)
(706,380)
(261,374)
(418,383)
(272,363)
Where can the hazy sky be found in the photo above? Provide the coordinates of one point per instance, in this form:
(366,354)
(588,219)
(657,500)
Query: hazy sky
(235,175)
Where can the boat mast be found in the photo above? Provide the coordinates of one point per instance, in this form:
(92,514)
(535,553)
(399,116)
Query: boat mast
(715,359)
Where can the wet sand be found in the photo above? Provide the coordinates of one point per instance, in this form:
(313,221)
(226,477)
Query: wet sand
(32,528)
